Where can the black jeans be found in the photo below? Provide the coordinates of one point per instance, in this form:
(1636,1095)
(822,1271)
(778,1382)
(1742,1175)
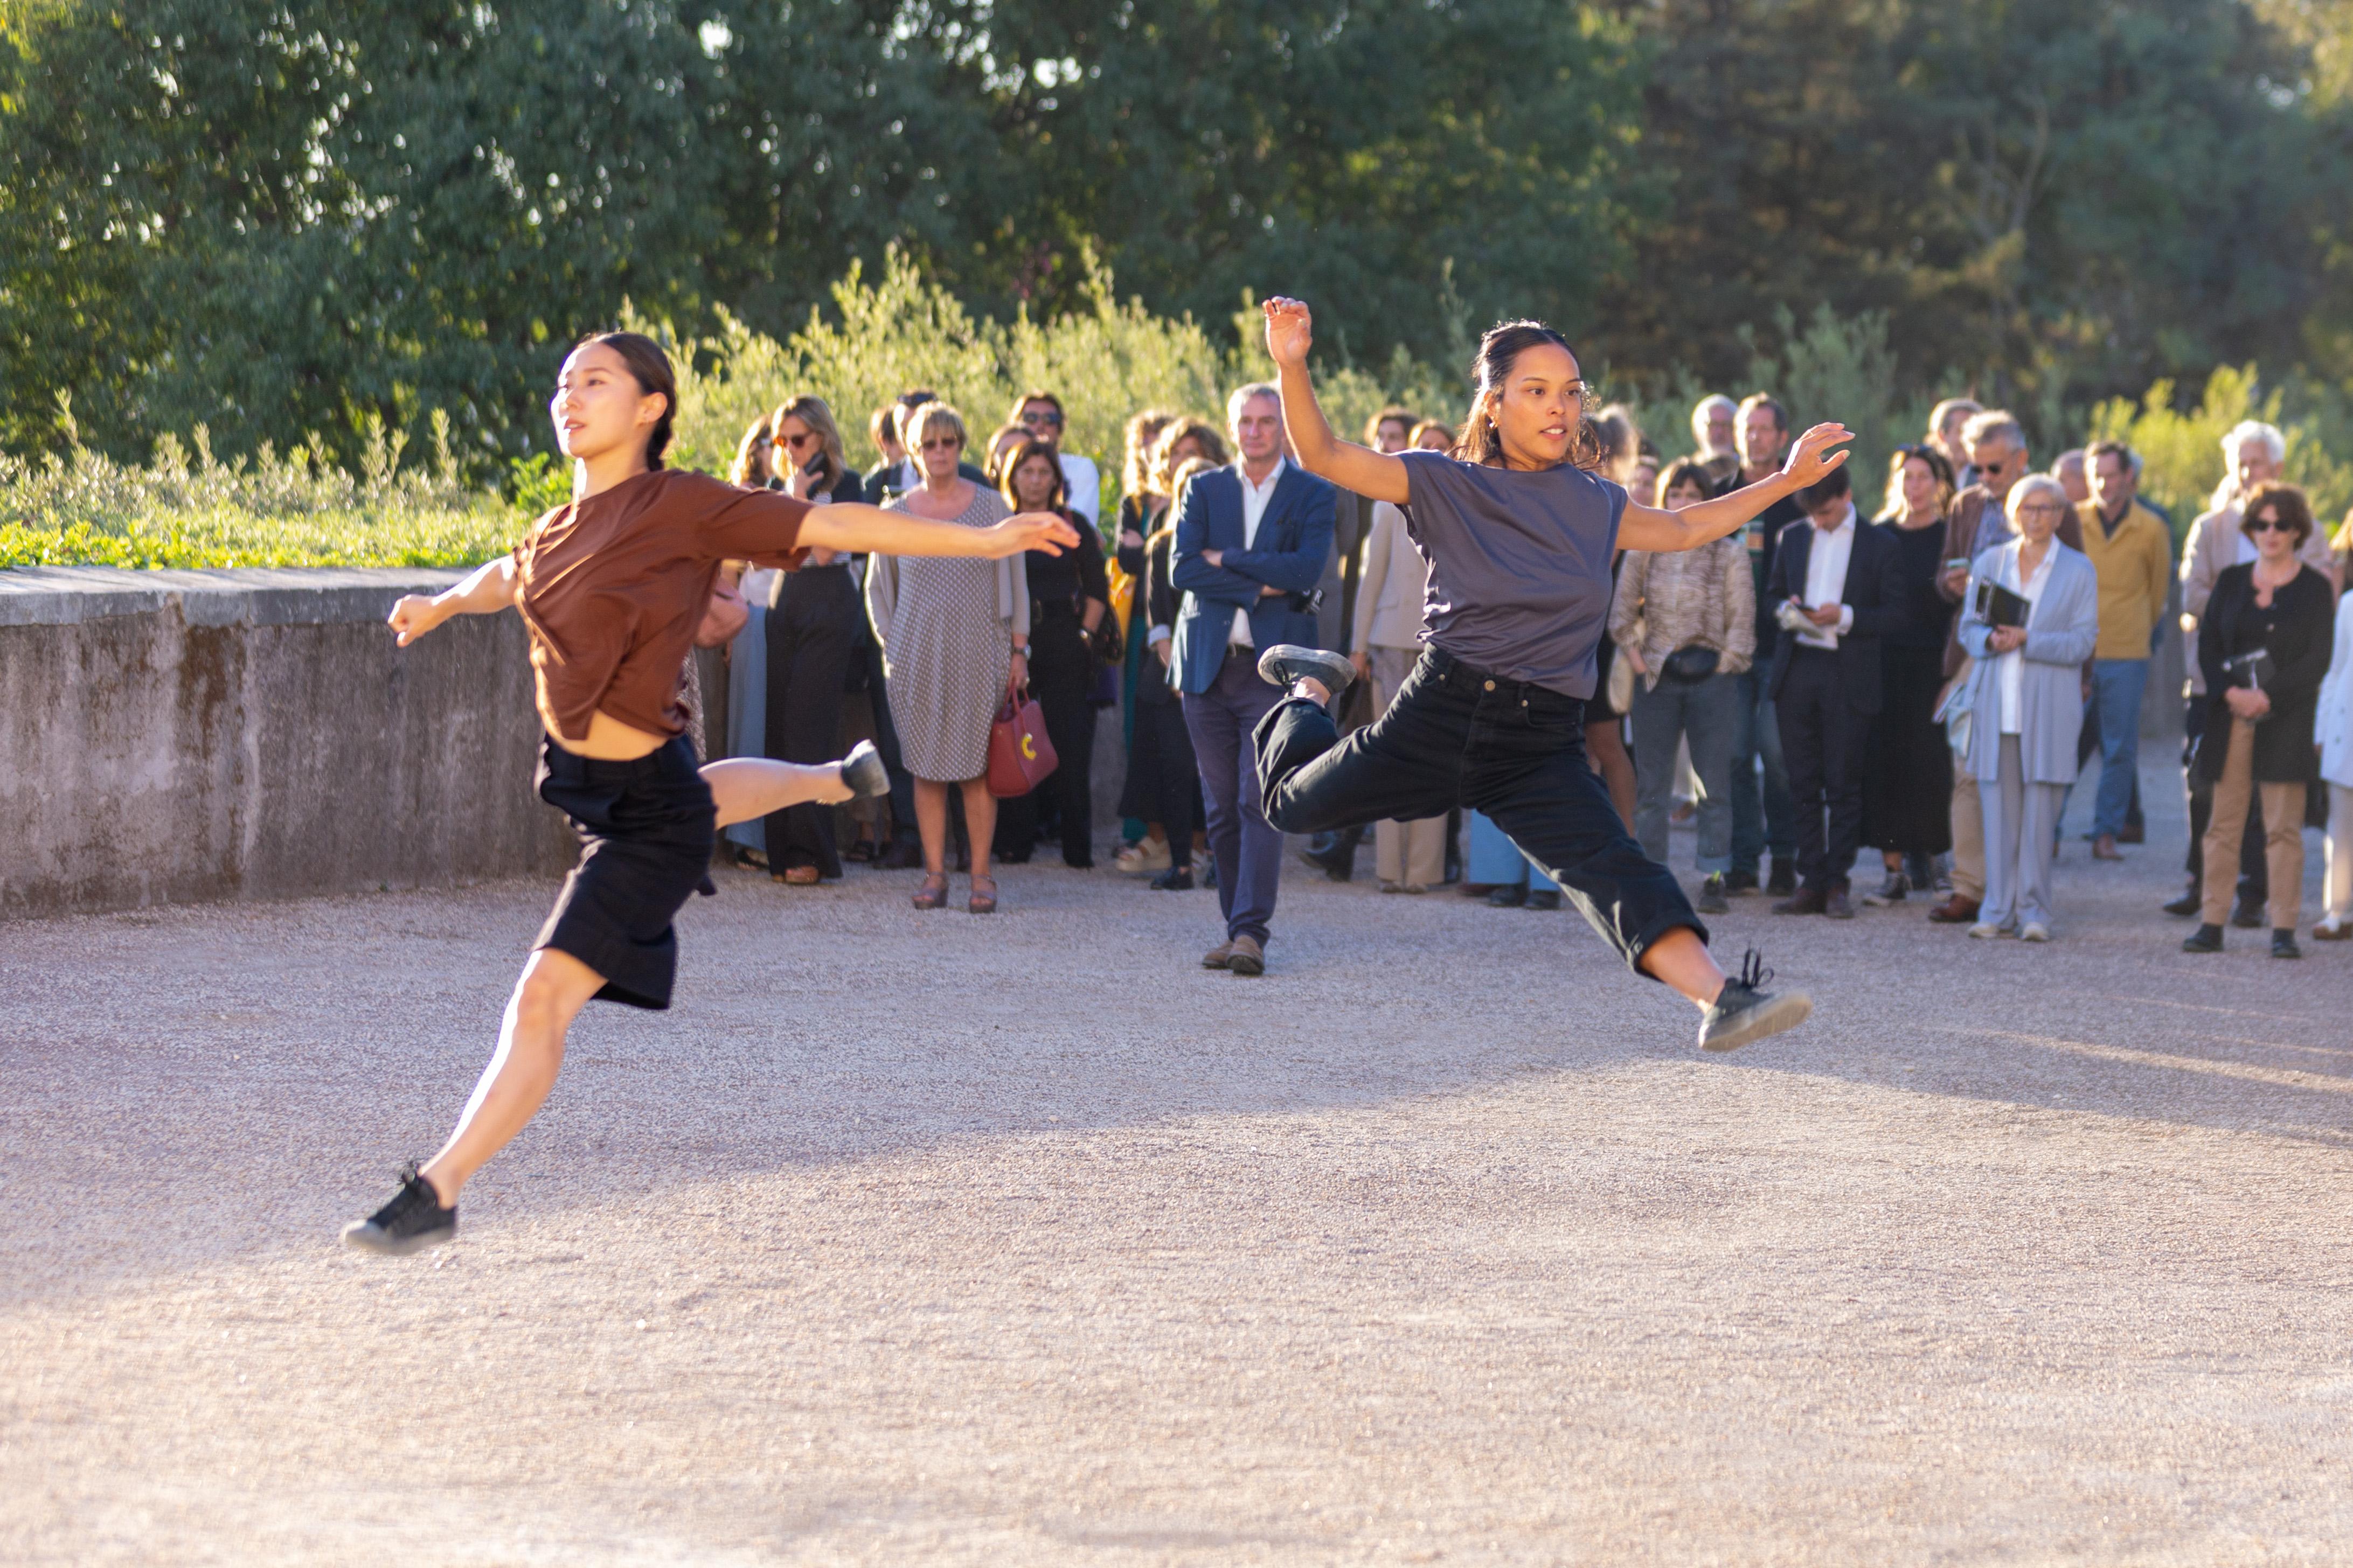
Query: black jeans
(812,624)
(1063,674)
(1459,736)
(1822,743)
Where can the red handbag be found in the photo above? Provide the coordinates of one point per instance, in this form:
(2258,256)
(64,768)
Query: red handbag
(1019,754)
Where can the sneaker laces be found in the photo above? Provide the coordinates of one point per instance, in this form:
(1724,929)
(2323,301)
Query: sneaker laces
(1752,972)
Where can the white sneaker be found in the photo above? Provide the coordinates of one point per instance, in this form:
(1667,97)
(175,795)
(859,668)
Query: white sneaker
(2034,930)
(1141,860)
(1988,929)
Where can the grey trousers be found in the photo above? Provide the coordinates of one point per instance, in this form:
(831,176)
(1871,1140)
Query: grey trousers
(1707,715)
(2021,823)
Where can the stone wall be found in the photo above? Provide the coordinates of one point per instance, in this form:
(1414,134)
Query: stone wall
(176,736)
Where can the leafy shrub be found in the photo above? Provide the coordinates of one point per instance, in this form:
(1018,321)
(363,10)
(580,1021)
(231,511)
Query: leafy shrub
(2182,452)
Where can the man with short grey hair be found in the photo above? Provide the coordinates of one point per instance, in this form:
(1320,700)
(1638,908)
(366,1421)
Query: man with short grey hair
(1714,420)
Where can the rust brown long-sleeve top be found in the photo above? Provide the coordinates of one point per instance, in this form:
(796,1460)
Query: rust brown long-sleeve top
(612,588)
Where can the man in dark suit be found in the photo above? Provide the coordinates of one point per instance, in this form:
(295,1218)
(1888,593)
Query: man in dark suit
(1835,591)
(1251,543)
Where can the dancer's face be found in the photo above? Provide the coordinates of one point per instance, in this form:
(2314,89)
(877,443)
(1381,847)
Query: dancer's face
(1540,406)
(598,406)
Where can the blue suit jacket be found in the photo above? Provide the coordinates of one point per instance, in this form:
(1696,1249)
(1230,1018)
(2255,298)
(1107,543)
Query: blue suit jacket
(1294,544)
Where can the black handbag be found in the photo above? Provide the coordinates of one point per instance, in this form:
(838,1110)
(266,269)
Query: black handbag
(1690,666)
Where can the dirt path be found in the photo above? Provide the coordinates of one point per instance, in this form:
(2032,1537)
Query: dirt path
(927,1238)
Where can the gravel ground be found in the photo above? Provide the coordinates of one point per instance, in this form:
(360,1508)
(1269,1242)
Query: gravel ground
(926,1238)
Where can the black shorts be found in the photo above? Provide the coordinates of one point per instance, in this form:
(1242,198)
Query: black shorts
(646,829)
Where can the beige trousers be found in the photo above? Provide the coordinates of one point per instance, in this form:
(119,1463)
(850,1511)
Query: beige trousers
(2282,833)
(1969,834)
(1410,853)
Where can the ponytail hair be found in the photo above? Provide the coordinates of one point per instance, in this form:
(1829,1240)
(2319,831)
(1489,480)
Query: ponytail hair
(1480,441)
(650,367)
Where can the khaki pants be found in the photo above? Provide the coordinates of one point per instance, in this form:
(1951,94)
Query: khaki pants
(2282,833)
(1969,834)
(1412,854)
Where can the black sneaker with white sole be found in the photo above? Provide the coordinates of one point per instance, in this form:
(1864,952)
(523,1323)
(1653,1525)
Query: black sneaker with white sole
(1744,1011)
(863,771)
(1287,661)
(412,1220)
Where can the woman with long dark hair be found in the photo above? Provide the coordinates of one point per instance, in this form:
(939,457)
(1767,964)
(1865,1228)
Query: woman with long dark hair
(1519,533)
(1068,596)
(1908,771)
(611,587)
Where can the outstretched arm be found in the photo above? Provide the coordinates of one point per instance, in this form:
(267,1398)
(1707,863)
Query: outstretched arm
(1653,528)
(489,589)
(1289,335)
(858,529)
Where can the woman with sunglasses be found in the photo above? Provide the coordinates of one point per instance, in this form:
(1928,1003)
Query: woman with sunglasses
(2265,642)
(1519,533)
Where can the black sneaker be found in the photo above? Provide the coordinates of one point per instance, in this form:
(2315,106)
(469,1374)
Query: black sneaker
(2189,903)
(2284,943)
(1783,882)
(1287,661)
(1739,882)
(863,771)
(2205,939)
(1712,900)
(1743,1013)
(411,1222)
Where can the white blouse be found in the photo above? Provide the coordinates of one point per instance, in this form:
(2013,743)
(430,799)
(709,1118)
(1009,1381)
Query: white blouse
(2010,668)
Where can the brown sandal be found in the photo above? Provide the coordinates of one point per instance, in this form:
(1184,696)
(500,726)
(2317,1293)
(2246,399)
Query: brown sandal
(981,903)
(802,877)
(934,894)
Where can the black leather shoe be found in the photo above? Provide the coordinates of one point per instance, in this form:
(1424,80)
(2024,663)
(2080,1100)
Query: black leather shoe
(2189,903)
(2205,939)
(1547,900)
(1740,881)
(1510,896)
(1783,881)
(1176,879)
(2283,945)
(1287,661)
(2248,915)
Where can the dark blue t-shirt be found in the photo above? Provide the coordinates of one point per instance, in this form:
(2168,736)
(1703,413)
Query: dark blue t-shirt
(1519,565)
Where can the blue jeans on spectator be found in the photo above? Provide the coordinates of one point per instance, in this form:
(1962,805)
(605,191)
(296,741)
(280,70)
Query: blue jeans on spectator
(1770,823)
(1246,850)
(2116,685)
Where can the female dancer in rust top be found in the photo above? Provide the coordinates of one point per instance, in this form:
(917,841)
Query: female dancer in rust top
(611,588)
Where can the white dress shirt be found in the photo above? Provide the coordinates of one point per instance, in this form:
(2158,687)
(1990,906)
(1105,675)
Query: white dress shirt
(2010,668)
(1826,578)
(1254,499)
(1084,483)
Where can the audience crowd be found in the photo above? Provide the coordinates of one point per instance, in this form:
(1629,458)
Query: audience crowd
(1928,682)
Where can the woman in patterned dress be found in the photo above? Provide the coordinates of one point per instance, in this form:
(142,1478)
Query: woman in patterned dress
(952,640)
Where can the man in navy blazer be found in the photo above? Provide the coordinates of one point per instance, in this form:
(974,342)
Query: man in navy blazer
(1839,581)
(1251,544)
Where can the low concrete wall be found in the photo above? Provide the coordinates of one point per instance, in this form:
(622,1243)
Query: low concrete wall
(176,736)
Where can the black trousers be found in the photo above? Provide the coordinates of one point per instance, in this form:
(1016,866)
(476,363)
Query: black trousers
(1062,677)
(1823,740)
(1163,781)
(2255,872)
(812,628)
(1459,736)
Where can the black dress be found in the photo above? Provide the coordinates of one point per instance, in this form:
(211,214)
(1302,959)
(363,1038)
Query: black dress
(815,621)
(1163,781)
(1908,781)
(1063,674)
(2299,629)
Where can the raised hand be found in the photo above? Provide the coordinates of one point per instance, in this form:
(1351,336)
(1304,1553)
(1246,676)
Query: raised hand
(1028,530)
(412,618)
(1289,331)
(1812,457)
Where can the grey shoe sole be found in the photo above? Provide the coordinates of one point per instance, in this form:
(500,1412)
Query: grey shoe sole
(1771,1016)
(863,771)
(363,1236)
(1286,662)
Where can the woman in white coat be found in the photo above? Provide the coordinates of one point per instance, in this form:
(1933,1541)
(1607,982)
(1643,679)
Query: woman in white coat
(2332,731)
(2026,705)
(1410,856)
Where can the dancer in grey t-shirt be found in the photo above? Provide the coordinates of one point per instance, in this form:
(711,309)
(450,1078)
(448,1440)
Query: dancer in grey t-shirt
(1519,537)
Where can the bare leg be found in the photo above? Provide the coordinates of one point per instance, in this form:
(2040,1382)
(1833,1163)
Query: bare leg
(746,787)
(932,822)
(979,822)
(1607,749)
(1682,960)
(554,988)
